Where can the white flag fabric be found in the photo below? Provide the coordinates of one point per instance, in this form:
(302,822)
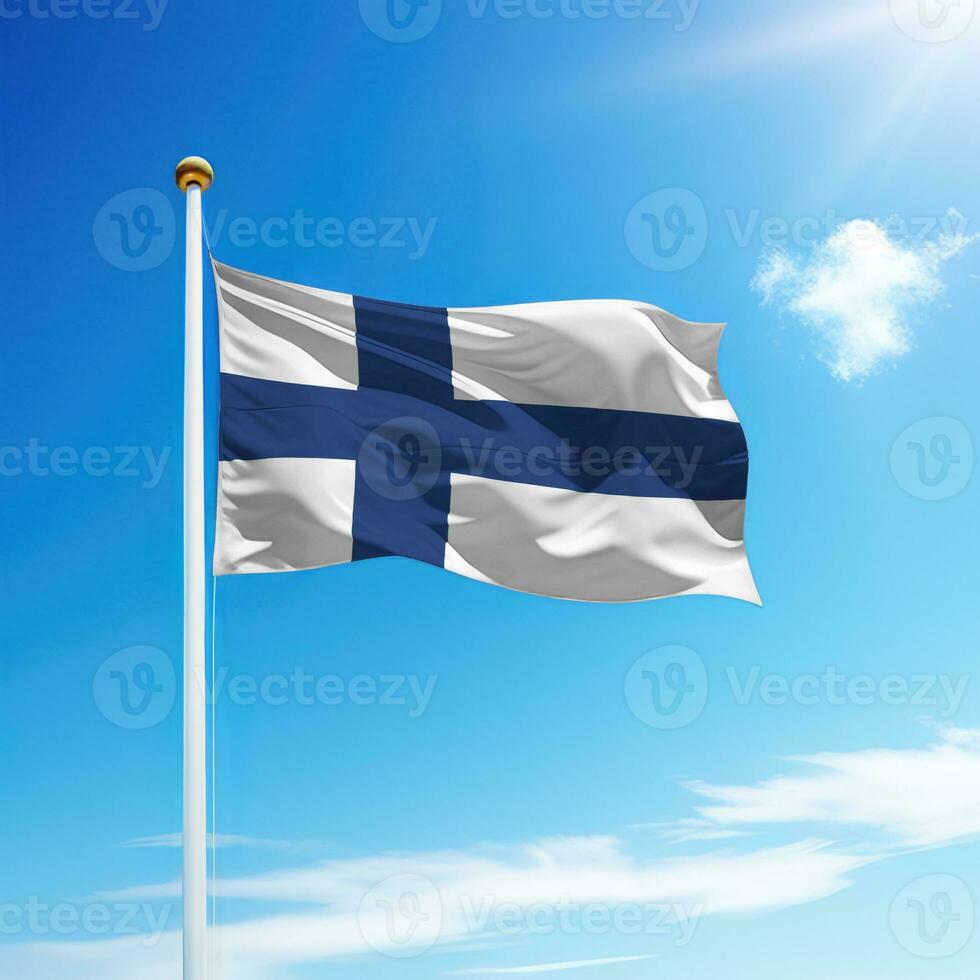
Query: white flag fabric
(582,450)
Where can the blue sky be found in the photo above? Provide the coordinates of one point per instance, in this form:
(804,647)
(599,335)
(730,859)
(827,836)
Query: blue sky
(815,807)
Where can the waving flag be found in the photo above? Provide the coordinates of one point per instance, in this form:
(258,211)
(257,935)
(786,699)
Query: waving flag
(582,450)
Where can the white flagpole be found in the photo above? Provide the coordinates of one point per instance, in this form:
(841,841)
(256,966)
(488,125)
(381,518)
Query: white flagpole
(194,175)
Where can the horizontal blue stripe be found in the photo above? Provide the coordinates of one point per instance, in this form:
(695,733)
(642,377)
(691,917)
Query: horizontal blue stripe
(704,459)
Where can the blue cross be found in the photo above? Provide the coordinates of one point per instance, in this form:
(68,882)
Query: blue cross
(409,434)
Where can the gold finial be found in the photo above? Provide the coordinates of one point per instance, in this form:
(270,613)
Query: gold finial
(194,170)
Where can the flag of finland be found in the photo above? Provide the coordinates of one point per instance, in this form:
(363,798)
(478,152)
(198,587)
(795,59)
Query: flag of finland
(582,450)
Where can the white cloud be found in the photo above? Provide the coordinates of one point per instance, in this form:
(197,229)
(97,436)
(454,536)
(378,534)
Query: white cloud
(897,798)
(584,871)
(915,797)
(857,288)
(961,736)
(473,885)
(689,829)
(547,967)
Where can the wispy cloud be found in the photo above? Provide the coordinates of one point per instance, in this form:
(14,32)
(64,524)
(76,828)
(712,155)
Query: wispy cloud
(893,799)
(325,917)
(856,290)
(689,830)
(914,797)
(550,872)
(546,967)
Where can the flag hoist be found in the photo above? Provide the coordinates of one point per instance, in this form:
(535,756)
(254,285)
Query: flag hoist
(194,175)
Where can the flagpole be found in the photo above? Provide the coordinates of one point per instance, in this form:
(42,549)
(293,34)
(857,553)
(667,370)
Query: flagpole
(194,175)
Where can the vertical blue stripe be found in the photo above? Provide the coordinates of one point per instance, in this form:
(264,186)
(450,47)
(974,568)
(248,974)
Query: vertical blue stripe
(406,350)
